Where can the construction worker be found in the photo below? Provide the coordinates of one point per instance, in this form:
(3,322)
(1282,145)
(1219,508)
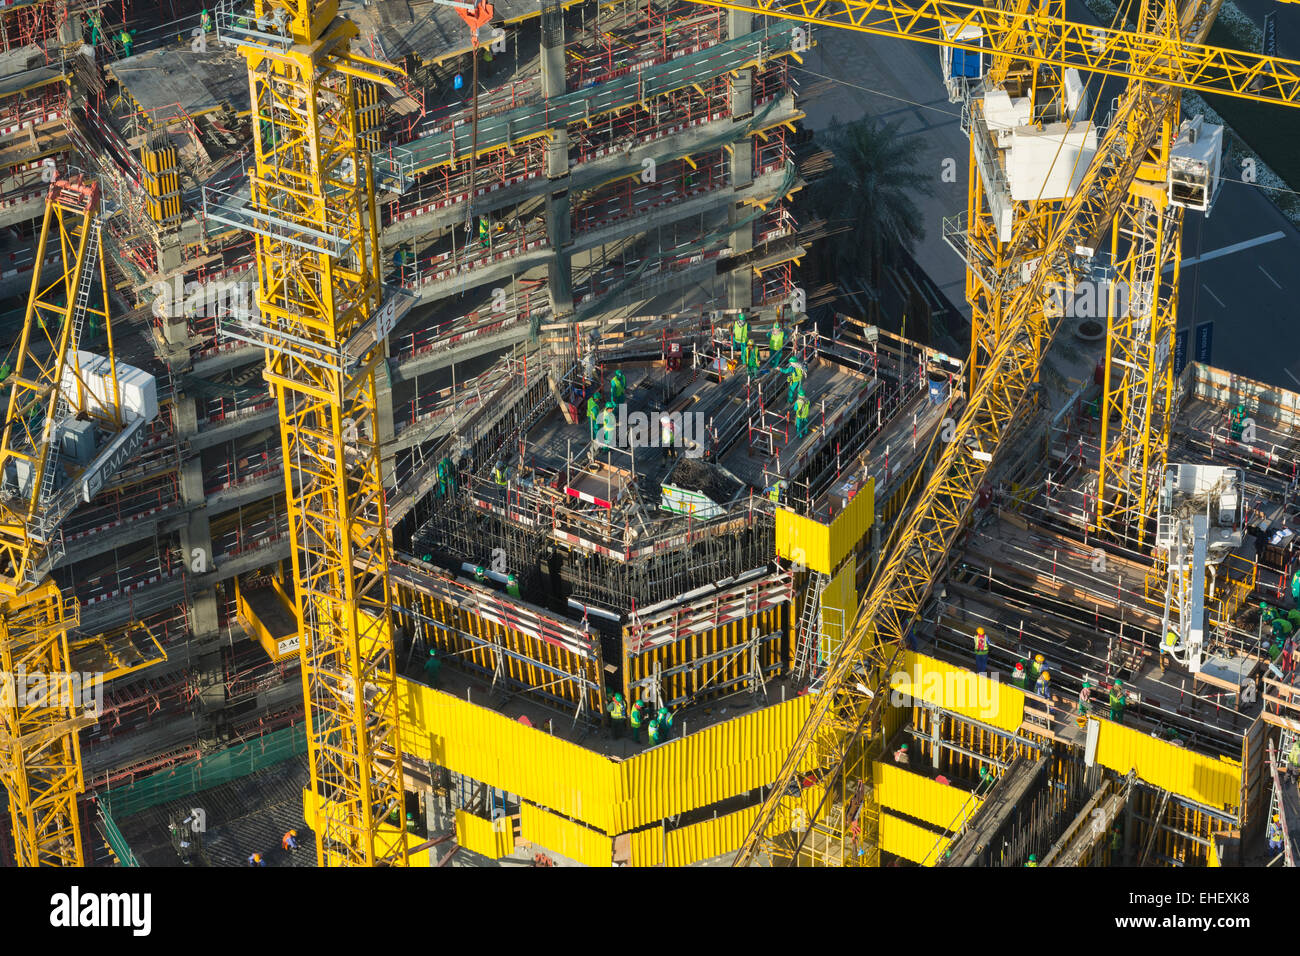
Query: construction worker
(739,332)
(655,732)
(446,478)
(484,231)
(1036,668)
(775,343)
(501,473)
(1117,701)
(1266,613)
(127,41)
(1237,422)
(593,412)
(1282,627)
(608,424)
(205,21)
(433,667)
(1275,834)
(1116,839)
(751,359)
(981,651)
(617,385)
(1085,696)
(1295,586)
(616,715)
(635,718)
(290,840)
(1020,675)
(668,435)
(96,26)
(665,720)
(901,756)
(512,585)
(1044,686)
(802,409)
(986,776)
(1167,648)
(256,860)
(1033,860)
(1293,759)
(794,374)
(776,490)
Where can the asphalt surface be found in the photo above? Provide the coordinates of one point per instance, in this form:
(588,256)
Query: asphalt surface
(1248,295)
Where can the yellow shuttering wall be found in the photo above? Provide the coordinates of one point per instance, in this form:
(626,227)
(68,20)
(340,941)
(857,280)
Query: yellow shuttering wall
(648,847)
(1209,780)
(839,604)
(492,840)
(823,547)
(922,797)
(709,838)
(961,691)
(703,768)
(565,837)
(910,841)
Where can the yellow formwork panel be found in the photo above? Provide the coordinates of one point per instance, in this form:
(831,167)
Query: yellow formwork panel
(491,838)
(711,765)
(709,838)
(577,842)
(961,691)
(501,752)
(841,596)
(647,847)
(910,841)
(921,797)
(821,547)
(614,796)
(1213,781)
(1213,860)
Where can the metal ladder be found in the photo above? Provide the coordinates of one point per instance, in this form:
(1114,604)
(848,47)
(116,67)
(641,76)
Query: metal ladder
(809,626)
(1285,739)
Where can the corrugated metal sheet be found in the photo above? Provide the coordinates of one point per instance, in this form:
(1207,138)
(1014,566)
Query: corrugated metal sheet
(840,598)
(648,847)
(803,541)
(485,836)
(852,524)
(910,841)
(709,838)
(961,691)
(577,842)
(703,768)
(921,797)
(1209,780)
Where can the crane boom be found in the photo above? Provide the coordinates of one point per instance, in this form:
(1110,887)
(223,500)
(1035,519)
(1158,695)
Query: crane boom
(840,736)
(1055,41)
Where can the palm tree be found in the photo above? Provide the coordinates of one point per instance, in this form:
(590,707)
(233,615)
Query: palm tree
(867,198)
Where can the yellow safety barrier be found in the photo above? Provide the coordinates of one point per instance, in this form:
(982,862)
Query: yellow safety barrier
(822,547)
(615,796)
(921,797)
(577,842)
(954,688)
(910,841)
(1213,781)
(490,838)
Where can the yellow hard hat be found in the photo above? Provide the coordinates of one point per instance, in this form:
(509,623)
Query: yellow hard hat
(979,630)
(1038,658)
(1046,676)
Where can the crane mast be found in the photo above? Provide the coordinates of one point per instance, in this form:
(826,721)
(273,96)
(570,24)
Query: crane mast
(312,211)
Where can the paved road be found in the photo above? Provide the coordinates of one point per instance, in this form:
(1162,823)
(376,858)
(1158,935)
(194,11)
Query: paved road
(1250,295)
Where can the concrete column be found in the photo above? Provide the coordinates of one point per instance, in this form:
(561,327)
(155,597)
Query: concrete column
(739,23)
(196,536)
(553,78)
(384,426)
(742,95)
(559,279)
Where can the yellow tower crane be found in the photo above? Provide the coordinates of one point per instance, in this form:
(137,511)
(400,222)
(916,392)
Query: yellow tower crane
(63,405)
(821,808)
(321,320)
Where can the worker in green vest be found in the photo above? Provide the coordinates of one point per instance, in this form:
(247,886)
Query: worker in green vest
(751,358)
(446,478)
(484,230)
(739,332)
(665,720)
(1033,860)
(635,718)
(608,425)
(205,21)
(1085,696)
(1237,422)
(794,373)
(1282,627)
(501,473)
(512,585)
(1036,668)
(1117,701)
(1266,613)
(616,715)
(433,667)
(802,409)
(96,26)
(1293,759)
(776,489)
(617,385)
(1295,586)
(655,732)
(128,42)
(1020,675)
(593,412)
(775,343)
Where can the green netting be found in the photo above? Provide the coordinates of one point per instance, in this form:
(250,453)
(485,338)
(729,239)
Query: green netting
(205,773)
(116,841)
